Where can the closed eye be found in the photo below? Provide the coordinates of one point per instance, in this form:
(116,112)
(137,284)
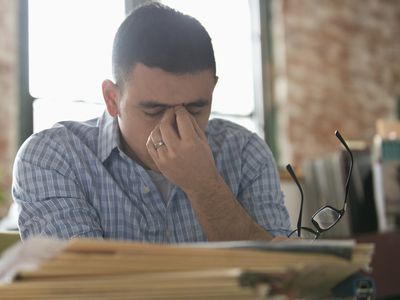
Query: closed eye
(154,114)
(154,109)
(161,112)
(196,108)
(194,112)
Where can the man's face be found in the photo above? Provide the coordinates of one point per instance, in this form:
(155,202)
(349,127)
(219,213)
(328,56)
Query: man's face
(147,94)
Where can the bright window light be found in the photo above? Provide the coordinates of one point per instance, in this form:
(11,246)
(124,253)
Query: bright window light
(228,23)
(70,47)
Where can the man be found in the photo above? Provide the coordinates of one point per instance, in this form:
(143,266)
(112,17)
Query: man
(152,168)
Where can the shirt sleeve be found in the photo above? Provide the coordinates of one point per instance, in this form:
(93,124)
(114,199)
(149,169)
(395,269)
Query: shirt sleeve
(50,200)
(259,190)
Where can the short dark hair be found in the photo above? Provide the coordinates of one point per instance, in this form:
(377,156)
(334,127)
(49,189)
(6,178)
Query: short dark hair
(159,36)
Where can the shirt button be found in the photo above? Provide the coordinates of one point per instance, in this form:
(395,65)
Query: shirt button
(146,189)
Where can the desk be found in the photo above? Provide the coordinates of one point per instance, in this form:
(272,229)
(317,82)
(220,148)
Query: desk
(385,262)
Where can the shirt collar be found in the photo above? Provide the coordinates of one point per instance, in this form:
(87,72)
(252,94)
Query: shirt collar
(109,138)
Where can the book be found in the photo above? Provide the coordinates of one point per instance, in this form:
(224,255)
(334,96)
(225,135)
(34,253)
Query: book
(99,269)
(386,182)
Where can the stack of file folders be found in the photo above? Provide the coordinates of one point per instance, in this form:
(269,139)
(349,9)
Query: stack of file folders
(43,268)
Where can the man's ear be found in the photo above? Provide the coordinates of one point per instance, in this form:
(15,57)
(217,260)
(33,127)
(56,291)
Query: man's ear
(111,96)
(215,80)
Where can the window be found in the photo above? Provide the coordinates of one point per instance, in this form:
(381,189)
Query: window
(70,46)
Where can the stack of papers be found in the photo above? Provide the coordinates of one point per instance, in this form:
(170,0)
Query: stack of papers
(43,268)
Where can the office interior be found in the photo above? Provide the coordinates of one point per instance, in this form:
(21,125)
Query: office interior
(316,67)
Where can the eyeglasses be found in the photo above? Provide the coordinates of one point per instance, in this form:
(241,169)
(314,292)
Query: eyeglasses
(326,217)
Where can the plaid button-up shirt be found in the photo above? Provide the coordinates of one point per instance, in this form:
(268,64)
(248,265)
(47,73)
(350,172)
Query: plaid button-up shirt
(74,181)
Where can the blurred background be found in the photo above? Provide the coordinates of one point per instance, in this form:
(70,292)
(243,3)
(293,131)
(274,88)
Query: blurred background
(292,71)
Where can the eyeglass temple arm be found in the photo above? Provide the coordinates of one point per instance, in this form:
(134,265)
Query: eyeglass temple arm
(291,172)
(347,186)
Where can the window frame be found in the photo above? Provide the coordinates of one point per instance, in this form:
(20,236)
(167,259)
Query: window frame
(26,100)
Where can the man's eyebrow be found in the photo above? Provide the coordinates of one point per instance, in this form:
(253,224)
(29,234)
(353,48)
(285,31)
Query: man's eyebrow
(197,103)
(155,104)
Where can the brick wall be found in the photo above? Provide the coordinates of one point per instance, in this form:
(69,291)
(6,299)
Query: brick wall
(337,67)
(8,95)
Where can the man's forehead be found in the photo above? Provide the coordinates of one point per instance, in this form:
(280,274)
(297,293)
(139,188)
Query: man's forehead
(140,68)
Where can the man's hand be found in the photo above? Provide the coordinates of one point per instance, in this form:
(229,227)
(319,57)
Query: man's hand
(187,161)
(185,158)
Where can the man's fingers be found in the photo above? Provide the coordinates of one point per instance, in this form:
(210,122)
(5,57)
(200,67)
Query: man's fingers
(155,135)
(197,128)
(200,133)
(184,124)
(168,128)
(151,149)
(156,141)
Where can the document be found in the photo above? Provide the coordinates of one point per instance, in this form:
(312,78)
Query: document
(103,269)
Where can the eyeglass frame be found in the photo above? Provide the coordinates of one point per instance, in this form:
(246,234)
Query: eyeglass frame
(340,212)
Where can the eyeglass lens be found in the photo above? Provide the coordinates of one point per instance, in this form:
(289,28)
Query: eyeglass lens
(326,217)
(305,233)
